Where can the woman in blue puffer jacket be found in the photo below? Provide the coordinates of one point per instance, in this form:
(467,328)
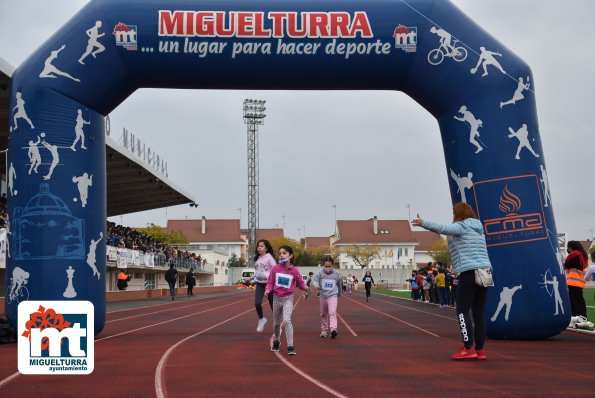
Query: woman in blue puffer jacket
(468,251)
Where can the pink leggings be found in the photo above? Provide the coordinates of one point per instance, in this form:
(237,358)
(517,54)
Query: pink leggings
(328,312)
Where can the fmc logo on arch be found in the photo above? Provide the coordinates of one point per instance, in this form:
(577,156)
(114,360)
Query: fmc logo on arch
(479,92)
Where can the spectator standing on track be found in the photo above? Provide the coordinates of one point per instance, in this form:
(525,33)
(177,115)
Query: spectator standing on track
(414,286)
(263,264)
(190,282)
(349,284)
(420,282)
(425,286)
(123,279)
(282,282)
(468,250)
(329,282)
(368,282)
(441,286)
(171,276)
(309,284)
(575,265)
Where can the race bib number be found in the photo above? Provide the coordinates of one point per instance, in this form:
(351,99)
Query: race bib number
(328,284)
(283,280)
(368,280)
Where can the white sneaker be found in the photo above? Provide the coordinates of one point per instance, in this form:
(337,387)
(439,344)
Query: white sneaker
(261,322)
(323,334)
(588,325)
(584,323)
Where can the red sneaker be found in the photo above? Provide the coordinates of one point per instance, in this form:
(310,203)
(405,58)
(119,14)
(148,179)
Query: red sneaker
(481,355)
(465,354)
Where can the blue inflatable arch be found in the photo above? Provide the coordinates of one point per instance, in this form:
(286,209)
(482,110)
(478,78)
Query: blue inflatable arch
(480,92)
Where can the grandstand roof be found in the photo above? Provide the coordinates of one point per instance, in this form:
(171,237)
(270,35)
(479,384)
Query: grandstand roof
(132,185)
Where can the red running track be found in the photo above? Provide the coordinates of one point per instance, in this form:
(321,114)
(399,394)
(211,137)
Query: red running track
(207,346)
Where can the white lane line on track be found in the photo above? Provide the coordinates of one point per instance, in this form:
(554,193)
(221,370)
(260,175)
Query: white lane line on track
(306,376)
(450,318)
(157,312)
(168,321)
(8,379)
(15,375)
(160,389)
(311,379)
(347,325)
(169,304)
(395,318)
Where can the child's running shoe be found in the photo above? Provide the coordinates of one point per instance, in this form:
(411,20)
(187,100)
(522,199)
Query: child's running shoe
(261,322)
(333,334)
(291,350)
(276,345)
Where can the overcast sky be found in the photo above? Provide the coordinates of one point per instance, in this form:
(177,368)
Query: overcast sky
(368,153)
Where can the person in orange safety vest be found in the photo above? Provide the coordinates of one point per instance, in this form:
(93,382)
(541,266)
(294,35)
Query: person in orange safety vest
(574,265)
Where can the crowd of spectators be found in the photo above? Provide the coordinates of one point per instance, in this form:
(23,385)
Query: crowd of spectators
(435,284)
(130,238)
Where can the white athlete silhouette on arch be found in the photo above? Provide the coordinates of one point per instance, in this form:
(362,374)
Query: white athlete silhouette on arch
(505,300)
(518,93)
(91,257)
(12,175)
(522,135)
(78,130)
(20,113)
(487,58)
(55,156)
(83,183)
(462,183)
(50,71)
(93,43)
(34,155)
(474,124)
(555,291)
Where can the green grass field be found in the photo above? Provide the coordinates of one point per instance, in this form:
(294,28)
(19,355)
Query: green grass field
(588,293)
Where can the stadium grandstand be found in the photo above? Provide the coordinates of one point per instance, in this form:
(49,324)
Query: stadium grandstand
(132,186)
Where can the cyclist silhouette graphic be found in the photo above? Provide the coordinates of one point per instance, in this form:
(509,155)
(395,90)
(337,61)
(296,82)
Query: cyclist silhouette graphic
(17,291)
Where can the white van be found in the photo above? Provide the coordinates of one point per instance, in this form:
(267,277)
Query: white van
(248,273)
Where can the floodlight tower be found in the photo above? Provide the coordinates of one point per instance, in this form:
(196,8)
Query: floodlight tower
(253,117)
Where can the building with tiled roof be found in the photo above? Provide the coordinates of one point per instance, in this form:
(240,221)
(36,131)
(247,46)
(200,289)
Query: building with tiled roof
(207,231)
(425,239)
(265,233)
(317,241)
(394,237)
(214,240)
